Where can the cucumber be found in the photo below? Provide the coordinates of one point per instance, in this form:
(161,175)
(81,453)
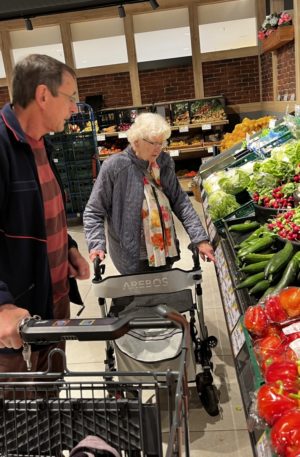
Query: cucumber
(257,257)
(289,275)
(245,227)
(280,259)
(255,267)
(251,280)
(261,286)
(260,245)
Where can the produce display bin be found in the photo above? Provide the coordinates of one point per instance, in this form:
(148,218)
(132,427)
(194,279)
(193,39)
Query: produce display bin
(244,210)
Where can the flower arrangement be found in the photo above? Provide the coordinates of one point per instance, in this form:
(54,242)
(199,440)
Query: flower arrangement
(272,22)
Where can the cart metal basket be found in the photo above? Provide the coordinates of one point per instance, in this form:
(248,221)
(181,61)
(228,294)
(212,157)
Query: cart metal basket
(47,414)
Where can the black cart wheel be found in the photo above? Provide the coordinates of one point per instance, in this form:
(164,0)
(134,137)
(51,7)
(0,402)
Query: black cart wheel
(210,400)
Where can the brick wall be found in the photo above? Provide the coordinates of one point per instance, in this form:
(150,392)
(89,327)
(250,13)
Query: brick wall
(286,70)
(267,77)
(4,96)
(236,79)
(115,89)
(163,85)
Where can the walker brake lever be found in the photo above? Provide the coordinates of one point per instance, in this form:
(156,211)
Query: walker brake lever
(26,352)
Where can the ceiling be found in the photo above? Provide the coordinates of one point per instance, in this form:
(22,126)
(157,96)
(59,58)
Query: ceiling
(15,9)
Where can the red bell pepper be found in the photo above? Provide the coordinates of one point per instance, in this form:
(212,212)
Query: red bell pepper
(256,320)
(274,311)
(285,434)
(273,402)
(285,371)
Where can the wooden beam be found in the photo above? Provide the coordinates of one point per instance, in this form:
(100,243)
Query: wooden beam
(231,54)
(5,45)
(296,20)
(277,5)
(66,38)
(3,82)
(105,70)
(132,61)
(260,7)
(276,106)
(99,13)
(196,52)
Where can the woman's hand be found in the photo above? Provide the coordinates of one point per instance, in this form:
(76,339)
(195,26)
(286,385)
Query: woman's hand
(94,253)
(78,266)
(206,251)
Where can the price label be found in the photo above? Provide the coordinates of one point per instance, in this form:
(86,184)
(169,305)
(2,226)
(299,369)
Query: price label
(174,153)
(272,123)
(55,160)
(210,149)
(122,135)
(51,133)
(206,126)
(184,128)
(101,137)
(237,338)
(263,447)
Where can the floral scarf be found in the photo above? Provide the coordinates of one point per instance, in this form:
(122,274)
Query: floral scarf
(157,221)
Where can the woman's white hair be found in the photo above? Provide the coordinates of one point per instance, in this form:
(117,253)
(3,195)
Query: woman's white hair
(148,125)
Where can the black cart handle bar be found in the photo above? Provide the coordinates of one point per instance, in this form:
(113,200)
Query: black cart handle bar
(33,330)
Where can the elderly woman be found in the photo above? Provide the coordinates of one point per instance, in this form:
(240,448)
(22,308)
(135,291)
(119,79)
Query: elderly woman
(135,193)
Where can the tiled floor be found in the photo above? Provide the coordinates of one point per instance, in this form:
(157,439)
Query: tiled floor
(209,436)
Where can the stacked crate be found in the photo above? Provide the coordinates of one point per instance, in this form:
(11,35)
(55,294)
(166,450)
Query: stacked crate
(75,153)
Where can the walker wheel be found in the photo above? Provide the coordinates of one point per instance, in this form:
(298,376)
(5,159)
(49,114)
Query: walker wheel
(212,341)
(210,400)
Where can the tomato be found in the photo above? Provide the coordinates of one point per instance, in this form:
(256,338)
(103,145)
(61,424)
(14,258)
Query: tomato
(268,361)
(272,403)
(284,371)
(256,320)
(285,434)
(289,300)
(274,310)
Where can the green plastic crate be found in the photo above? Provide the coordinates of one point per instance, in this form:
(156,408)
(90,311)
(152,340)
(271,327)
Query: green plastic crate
(243,211)
(250,157)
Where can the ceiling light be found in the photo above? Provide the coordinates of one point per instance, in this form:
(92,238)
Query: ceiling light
(121,11)
(154,4)
(28,23)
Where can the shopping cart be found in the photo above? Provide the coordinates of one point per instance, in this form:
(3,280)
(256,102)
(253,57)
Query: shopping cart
(47,414)
(174,288)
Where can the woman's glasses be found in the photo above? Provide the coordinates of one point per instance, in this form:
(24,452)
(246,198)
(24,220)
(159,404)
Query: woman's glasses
(156,144)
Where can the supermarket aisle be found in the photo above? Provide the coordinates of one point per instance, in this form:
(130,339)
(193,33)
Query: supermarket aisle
(209,436)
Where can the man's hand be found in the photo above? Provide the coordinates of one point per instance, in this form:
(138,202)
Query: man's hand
(94,254)
(78,266)
(10,316)
(206,251)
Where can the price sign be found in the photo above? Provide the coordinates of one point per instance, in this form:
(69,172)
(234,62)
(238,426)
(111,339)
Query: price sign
(101,137)
(263,447)
(174,153)
(184,128)
(55,160)
(51,133)
(122,135)
(211,231)
(237,338)
(206,126)
(210,149)
(272,123)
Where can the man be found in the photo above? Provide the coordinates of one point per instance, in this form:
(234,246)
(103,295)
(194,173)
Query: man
(37,257)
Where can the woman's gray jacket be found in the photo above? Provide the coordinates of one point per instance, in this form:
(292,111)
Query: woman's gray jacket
(117,198)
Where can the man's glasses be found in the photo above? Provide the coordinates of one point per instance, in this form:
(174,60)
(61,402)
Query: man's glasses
(72,98)
(155,144)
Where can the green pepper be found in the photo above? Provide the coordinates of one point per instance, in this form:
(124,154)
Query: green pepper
(260,245)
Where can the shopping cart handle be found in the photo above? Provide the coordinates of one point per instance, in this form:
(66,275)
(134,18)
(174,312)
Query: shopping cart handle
(43,332)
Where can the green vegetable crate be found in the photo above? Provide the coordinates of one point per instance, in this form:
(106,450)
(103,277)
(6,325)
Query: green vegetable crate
(243,211)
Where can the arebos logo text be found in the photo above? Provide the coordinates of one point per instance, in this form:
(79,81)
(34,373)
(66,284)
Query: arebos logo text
(146,284)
